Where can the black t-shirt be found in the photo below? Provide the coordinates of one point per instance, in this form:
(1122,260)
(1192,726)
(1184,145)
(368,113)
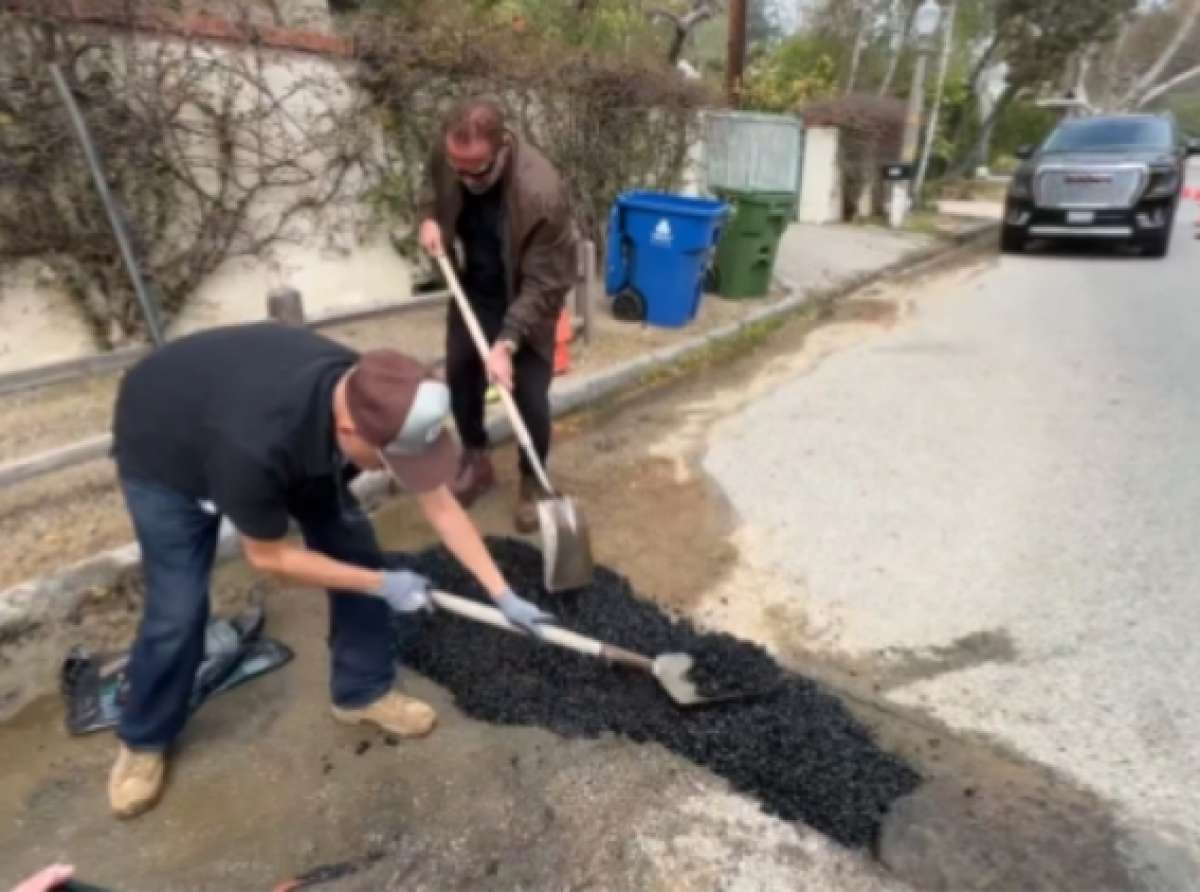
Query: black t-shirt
(239,416)
(479,227)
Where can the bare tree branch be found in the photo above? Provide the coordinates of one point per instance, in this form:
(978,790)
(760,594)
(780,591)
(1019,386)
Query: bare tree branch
(1135,96)
(210,153)
(682,25)
(1167,86)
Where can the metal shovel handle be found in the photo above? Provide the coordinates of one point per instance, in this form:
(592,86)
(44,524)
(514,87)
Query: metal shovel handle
(510,406)
(116,218)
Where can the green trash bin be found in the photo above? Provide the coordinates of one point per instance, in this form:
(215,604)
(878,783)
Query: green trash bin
(745,258)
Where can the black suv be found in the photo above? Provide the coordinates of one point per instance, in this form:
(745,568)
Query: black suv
(1112,177)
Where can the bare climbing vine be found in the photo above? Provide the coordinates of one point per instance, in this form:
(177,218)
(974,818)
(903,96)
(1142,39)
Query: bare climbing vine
(214,150)
(219,148)
(608,122)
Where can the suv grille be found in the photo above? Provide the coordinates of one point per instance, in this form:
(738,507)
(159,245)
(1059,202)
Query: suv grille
(1089,187)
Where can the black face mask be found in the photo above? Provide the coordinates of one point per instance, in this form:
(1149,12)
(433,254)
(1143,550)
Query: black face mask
(481,182)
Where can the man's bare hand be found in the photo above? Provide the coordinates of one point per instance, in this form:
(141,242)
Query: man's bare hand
(45,880)
(500,366)
(430,237)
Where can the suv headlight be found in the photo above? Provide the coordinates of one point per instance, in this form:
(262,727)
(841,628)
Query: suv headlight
(1022,184)
(1163,183)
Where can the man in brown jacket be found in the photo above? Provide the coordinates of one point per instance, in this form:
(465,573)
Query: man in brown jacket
(505,204)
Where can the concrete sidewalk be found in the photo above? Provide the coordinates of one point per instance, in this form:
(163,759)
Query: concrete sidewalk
(818,257)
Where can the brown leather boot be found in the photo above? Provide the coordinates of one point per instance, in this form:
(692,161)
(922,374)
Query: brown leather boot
(525,518)
(475,477)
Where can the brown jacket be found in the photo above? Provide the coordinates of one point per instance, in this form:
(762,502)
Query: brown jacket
(539,238)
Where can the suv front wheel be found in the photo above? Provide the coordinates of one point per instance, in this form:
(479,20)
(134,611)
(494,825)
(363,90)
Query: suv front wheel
(1156,244)
(1012,240)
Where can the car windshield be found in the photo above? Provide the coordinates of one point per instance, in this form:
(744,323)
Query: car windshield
(1110,135)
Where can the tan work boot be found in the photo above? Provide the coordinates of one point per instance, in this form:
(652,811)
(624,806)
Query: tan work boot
(525,517)
(395,713)
(475,477)
(136,781)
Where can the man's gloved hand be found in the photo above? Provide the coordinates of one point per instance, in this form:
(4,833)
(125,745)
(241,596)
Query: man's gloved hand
(405,591)
(522,614)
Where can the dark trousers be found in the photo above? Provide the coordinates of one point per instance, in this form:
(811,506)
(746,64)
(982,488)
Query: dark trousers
(532,374)
(178,541)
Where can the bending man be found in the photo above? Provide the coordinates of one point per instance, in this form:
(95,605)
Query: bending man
(262,424)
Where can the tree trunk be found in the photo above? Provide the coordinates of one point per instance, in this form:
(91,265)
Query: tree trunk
(980,150)
(906,11)
(935,112)
(1113,57)
(1082,73)
(860,40)
(984,62)
(977,73)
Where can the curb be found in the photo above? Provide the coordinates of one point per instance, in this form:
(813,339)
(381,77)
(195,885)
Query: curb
(30,604)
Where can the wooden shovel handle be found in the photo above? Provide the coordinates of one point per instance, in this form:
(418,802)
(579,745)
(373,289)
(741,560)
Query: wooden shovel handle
(621,656)
(510,405)
(493,617)
(473,610)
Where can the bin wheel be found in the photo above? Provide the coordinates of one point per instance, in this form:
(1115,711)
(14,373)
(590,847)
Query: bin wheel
(629,306)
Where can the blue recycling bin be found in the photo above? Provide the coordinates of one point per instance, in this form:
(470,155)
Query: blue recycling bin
(659,249)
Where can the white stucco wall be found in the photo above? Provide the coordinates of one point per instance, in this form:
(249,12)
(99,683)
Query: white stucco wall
(331,260)
(39,322)
(821,187)
(373,273)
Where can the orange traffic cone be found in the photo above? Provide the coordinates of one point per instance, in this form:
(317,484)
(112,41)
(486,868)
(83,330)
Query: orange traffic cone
(562,344)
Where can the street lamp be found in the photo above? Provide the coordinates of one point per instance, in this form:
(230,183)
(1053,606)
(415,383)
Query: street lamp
(925,26)
(925,23)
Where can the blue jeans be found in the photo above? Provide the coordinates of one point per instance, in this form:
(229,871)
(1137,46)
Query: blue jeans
(178,541)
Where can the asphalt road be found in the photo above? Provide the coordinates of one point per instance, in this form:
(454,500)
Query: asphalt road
(995,505)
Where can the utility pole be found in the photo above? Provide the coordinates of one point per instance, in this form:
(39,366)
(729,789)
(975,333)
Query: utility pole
(735,57)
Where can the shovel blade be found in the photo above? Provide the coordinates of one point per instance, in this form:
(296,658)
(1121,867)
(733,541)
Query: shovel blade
(566,545)
(672,670)
(673,673)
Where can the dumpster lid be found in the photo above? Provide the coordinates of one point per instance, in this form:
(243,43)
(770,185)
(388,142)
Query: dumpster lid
(679,205)
(759,196)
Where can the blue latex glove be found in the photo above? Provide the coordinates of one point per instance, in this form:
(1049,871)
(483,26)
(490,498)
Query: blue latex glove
(522,614)
(405,591)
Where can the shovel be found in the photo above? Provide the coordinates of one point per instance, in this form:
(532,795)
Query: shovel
(566,544)
(671,670)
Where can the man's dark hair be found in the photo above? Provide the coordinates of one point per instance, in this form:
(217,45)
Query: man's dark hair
(474,120)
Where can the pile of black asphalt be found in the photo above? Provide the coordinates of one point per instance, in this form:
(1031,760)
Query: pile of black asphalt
(791,745)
